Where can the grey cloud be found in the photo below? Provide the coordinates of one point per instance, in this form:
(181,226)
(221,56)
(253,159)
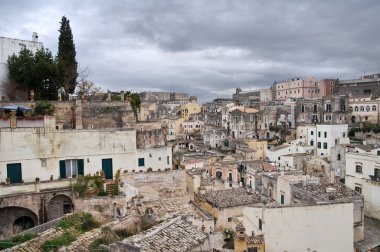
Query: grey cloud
(207,48)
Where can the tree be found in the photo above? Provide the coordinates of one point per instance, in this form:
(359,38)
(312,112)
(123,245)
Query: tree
(135,101)
(86,88)
(36,72)
(67,63)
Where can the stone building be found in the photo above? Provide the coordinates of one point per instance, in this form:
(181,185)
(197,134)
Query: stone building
(364,86)
(243,123)
(364,110)
(10,46)
(46,153)
(224,205)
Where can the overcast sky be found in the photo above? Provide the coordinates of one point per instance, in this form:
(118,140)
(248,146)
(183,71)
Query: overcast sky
(208,47)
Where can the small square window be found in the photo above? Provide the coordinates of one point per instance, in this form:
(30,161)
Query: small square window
(141,162)
(229,219)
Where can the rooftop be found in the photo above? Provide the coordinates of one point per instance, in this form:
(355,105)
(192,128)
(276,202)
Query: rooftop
(175,235)
(325,191)
(230,198)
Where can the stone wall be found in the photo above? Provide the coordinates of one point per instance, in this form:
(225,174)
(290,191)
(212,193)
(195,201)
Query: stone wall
(107,114)
(150,138)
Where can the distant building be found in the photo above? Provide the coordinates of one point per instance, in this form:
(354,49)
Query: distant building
(364,86)
(10,46)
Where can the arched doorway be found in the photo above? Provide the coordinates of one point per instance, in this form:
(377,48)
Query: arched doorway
(14,219)
(58,206)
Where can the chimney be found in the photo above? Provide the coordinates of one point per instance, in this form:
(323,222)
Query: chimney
(35,37)
(122,95)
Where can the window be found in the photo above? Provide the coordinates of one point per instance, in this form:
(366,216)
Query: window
(373,108)
(311,142)
(229,219)
(366,118)
(279,158)
(376,172)
(70,167)
(325,146)
(359,168)
(361,108)
(319,145)
(328,107)
(356,108)
(159,158)
(168,159)
(315,106)
(43,162)
(358,189)
(311,132)
(367,108)
(302,108)
(260,224)
(338,157)
(141,162)
(319,134)
(378,153)
(325,134)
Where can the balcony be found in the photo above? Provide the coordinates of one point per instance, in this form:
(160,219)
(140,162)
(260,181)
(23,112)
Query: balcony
(374,178)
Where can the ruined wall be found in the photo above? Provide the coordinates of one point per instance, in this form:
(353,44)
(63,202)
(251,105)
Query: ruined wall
(150,138)
(107,114)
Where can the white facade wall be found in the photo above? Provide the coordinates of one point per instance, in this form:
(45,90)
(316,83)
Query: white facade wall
(8,47)
(328,136)
(277,155)
(370,189)
(303,228)
(40,150)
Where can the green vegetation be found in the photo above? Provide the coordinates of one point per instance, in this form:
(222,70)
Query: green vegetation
(135,101)
(73,225)
(274,128)
(4,244)
(79,221)
(88,185)
(367,128)
(109,236)
(38,72)
(67,64)
(44,108)
(228,235)
(63,240)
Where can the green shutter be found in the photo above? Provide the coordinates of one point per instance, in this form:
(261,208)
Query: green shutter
(80,167)
(14,173)
(62,169)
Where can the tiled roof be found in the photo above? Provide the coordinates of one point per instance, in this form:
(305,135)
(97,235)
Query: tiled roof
(231,198)
(255,239)
(175,235)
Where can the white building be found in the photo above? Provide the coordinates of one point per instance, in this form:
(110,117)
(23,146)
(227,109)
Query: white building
(277,153)
(324,136)
(10,46)
(30,153)
(325,227)
(363,176)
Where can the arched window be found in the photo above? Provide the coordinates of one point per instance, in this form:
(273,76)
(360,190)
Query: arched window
(361,108)
(374,108)
(356,108)
(350,108)
(367,108)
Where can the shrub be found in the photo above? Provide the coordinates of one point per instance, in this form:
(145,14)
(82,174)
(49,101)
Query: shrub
(149,169)
(44,108)
(65,239)
(79,221)
(4,244)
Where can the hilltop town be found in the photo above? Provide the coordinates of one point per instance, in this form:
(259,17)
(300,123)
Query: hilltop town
(293,167)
